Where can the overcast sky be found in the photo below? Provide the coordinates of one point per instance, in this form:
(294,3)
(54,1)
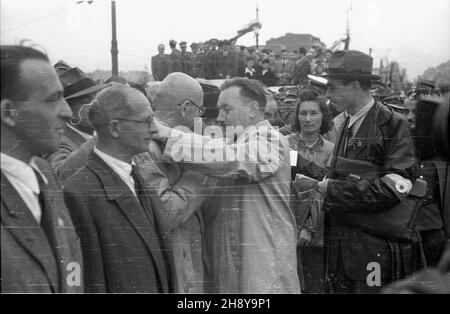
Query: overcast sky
(416,33)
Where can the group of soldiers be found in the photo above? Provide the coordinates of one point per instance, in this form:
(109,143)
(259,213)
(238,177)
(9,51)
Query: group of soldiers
(223,59)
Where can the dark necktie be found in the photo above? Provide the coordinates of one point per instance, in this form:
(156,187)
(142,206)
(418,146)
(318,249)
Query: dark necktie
(343,141)
(46,218)
(140,193)
(339,149)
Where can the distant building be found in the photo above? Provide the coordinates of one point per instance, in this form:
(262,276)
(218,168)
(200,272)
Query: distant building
(292,42)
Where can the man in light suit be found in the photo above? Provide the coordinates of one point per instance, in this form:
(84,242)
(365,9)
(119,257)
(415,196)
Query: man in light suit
(250,234)
(40,251)
(121,230)
(178,102)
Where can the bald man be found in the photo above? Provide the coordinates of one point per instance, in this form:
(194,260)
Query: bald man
(179,101)
(117,220)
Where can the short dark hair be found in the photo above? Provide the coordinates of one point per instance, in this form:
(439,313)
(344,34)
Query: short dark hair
(109,103)
(11,59)
(365,84)
(302,50)
(251,89)
(327,118)
(265,61)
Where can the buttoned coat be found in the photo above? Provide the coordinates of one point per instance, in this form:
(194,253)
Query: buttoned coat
(123,239)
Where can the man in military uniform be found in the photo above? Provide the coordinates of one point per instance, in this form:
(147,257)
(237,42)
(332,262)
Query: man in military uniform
(358,261)
(212,61)
(197,63)
(432,167)
(186,59)
(175,57)
(227,62)
(160,64)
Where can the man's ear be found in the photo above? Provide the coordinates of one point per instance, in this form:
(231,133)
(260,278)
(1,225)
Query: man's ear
(8,113)
(114,128)
(183,108)
(254,109)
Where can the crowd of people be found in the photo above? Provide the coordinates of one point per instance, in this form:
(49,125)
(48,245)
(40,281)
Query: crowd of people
(196,189)
(223,59)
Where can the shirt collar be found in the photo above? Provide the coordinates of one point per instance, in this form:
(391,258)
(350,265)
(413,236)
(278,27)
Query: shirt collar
(23,172)
(361,113)
(122,168)
(247,70)
(315,146)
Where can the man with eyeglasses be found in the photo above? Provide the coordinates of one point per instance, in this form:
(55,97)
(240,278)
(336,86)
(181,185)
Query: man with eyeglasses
(79,90)
(121,230)
(178,102)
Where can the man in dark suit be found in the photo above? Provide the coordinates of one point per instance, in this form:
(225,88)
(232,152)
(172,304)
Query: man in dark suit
(303,68)
(119,223)
(40,251)
(266,76)
(358,261)
(160,64)
(79,91)
(284,69)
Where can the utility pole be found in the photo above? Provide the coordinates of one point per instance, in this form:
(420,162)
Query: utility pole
(114,50)
(256,30)
(347,32)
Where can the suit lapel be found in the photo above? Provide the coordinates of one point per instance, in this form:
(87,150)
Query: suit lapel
(61,234)
(443,173)
(117,191)
(18,220)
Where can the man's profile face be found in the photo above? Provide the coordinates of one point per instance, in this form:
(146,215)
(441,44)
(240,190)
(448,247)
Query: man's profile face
(233,108)
(410,111)
(42,116)
(137,134)
(341,95)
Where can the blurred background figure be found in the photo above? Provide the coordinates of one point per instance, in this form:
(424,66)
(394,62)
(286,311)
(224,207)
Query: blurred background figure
(79,91)
(160,64)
